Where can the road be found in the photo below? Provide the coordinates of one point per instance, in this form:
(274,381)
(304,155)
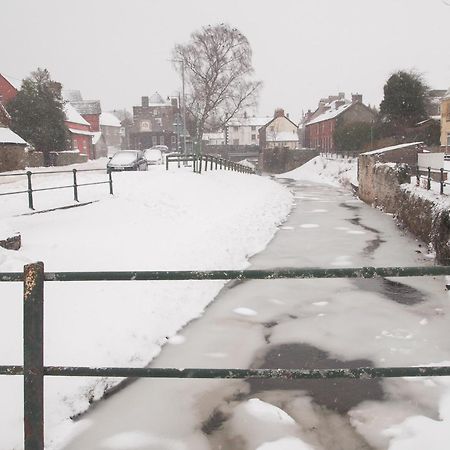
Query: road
(294,324)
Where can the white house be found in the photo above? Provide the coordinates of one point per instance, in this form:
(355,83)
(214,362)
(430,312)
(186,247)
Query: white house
(244,130)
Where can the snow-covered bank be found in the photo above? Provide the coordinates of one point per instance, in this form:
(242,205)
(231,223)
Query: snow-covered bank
(156,221)
(329,170)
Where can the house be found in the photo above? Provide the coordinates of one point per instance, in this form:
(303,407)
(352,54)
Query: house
(156,122)
(433,104)
(279,132)
(217,138)
(110,128)
(244,130)
(12,150)
(320,125)
(80,131)
(445,121)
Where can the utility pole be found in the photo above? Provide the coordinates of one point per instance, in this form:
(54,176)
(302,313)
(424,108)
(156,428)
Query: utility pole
(183,107)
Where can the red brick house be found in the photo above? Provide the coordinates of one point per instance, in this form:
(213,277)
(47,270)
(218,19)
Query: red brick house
(320,125)
(8,89)
(80,131)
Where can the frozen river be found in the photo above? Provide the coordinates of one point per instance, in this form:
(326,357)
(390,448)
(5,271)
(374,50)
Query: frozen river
(294,324)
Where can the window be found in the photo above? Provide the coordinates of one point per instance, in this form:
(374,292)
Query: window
(174,139)
(235,141)
(145,125)
(253,128)
(155,140)
(235,128)
(158,121)
(253,137)
(161,140)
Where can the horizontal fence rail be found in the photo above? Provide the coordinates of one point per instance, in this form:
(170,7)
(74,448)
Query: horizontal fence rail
(33,369)
(429,173)
(74,185)
(205,162)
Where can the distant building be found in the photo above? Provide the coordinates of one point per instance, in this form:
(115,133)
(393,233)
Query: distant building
(433,104)
(80,131)
(217,138)
(156,122)
(320,125)
(279,132)
(12,150)
(445,121)
(110,127)
(244,130)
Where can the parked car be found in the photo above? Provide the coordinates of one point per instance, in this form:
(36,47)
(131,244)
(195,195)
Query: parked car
(163,148)
(153,156)
(127,160)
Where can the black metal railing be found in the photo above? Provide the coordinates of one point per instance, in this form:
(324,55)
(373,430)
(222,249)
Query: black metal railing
(34,370)
(75,184)
(429,174)
(205,162)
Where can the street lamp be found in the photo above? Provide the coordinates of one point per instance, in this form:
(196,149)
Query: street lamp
(183,106)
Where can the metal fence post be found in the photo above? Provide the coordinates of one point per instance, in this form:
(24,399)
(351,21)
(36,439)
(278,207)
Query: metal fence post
(417,176)
(442,181)
(167,162)
(30,191)
(211,168)
(429,179)
(75,186)
(33,356)
(216,162)
(110,183)
(200,159)
(206,163)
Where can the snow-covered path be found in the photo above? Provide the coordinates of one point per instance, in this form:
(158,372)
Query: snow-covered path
(294,323)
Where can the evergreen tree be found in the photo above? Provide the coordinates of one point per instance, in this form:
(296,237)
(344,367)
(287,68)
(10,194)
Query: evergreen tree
(403,105)
(37,113)
(353,137)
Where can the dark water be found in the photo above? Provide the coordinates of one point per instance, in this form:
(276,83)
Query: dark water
(339,395)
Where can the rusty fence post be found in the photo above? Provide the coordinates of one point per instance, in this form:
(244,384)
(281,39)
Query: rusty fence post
(442,181)
(33,356)
(75,185)
(206,163)
(30,191)
(429,179)
(110,183)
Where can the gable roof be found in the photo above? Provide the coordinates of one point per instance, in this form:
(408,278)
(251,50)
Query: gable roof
(88,106)
(248,121)
(333,111)
(8,136)
(73,116)
(14,82)
(278,117)
(109,120)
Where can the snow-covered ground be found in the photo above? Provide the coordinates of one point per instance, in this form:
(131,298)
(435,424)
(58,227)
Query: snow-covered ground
(336,171)
(156,220)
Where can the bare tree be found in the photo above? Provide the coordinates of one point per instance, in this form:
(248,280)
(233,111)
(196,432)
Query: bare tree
(218,68)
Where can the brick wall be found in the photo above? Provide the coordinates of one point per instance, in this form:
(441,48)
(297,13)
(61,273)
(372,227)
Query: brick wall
(12,157)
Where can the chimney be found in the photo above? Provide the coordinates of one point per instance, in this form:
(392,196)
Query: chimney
(339,103)
(145,101)
(287,115)
(279,112)
(341,95)
(174,102)
(356,98)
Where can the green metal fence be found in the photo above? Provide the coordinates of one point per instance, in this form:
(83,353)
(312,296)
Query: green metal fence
(75,185)
(205,162)
(33,370)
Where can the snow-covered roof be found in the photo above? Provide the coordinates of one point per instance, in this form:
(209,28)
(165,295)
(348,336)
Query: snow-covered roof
(109,120)
(248,121)
(88,106)
(156,99)
(73,116)
(14,82)
(334,110)
(283,136)
(208,136)
(82,132)
(447,94)
(72,95)
(392,147)
(8,136)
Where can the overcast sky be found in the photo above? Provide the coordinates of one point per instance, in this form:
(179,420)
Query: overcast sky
(302,50)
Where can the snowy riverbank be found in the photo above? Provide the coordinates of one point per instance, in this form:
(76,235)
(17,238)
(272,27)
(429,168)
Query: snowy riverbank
(156,221)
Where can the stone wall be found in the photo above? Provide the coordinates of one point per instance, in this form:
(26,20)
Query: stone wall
(280,160)
(380,184)
(12,157)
